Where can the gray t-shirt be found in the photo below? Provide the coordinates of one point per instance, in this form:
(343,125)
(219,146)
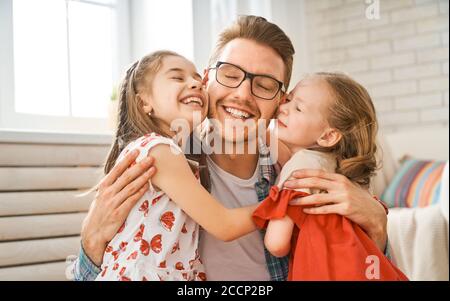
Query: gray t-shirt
(243,258)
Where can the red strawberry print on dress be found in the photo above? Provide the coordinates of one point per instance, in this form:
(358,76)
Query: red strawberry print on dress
(158,241)
(167,219)
(184,230)
(155,200)
(201,276)
(132,255)
(162,265)
(122,271)
(175,247)
(156,244)
(140,232)
(179,266)
(145,247)
(144,208)
(122,247)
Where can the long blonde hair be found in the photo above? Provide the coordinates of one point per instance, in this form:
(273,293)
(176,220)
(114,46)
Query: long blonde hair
(133,122)
(353,114)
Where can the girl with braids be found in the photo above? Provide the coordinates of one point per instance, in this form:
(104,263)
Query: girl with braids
(328,122)
(159,239)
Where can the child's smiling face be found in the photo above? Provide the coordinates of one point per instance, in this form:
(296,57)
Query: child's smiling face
(176,92)
(302,119)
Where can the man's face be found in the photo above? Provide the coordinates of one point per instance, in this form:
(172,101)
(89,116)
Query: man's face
(239,104)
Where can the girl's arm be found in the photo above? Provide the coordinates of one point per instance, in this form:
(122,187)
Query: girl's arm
(175,178)
(278,236)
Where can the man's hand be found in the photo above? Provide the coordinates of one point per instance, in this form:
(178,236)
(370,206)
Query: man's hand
(344,198)
(117,193)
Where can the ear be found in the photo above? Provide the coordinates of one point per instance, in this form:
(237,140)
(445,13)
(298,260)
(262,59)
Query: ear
(329,137)
(205,76)
(145,101)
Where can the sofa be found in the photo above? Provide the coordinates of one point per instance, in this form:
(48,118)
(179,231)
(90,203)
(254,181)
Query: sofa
(418,236)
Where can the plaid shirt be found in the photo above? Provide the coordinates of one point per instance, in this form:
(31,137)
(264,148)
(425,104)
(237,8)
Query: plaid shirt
(278,266)
(85,270)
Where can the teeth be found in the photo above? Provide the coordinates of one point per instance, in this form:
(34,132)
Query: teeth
(237,113)
(193,99)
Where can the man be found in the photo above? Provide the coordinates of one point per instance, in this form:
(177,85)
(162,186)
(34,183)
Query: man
(255,51)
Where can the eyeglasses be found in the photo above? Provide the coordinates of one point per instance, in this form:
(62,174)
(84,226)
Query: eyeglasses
(232,76)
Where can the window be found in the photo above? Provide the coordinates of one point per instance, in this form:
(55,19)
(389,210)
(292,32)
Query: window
(62,61)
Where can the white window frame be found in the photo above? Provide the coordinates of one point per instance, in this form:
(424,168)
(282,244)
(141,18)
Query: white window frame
(10,119)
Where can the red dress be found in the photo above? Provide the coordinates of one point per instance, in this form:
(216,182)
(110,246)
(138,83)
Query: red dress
(327,246)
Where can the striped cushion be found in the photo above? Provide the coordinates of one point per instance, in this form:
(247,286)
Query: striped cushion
(416,184)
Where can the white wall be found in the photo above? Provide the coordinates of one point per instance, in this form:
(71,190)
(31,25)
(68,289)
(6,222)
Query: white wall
(157,24)
(402,58)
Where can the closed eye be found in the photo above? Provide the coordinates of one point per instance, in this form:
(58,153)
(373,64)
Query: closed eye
(264,88)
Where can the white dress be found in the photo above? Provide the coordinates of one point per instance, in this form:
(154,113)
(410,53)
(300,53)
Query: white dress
(158,241)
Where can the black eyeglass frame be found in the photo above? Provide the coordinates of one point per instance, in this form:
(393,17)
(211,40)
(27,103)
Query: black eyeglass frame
(249,76)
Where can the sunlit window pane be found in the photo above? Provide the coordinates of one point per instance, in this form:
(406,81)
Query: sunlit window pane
(40,57)
(90,44)
(63,57)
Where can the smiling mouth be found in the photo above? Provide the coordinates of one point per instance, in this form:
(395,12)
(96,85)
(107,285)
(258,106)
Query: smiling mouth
(236,113)
(193,101)
(281,123)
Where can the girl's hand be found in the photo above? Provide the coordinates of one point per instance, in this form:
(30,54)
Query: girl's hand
(117,193)
(344,198)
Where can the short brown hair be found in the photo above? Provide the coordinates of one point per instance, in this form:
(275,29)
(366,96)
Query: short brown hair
(260,30)
(353,114)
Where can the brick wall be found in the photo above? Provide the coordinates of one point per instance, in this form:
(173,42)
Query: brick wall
(401,58)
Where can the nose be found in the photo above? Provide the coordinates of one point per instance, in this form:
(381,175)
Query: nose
(284,108)
(195,84)
(244,91)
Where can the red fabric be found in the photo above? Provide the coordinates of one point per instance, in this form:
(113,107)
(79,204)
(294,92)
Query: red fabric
(326,246)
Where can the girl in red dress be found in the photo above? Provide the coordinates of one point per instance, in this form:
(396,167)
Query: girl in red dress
(329,123)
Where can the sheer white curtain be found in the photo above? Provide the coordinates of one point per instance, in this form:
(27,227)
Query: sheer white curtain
(161,24)
(224,12)
(212,16)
